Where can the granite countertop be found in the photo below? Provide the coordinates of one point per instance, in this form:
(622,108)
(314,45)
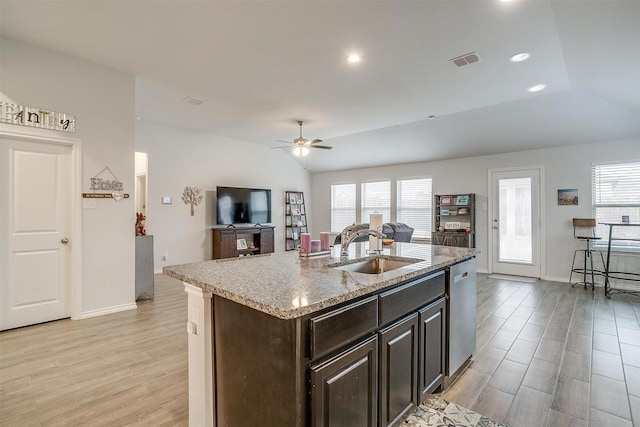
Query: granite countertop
(288,286)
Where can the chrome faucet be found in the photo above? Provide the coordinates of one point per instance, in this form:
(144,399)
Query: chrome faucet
(348,235)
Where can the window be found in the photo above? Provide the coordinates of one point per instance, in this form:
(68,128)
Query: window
(376,196)
(616,193)
(415,205)
(343,206)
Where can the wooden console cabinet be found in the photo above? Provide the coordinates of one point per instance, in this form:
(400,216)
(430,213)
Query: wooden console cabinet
(259,240)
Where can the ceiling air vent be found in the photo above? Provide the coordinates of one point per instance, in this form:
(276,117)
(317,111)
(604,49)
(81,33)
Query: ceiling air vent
(466,59)
(192,101)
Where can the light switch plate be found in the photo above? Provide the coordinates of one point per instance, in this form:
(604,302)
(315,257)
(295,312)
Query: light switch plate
(167,200)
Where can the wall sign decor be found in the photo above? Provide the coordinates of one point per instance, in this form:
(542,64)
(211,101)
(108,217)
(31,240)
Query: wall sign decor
(114,186)
(568,197)
(36,117)
(192,196)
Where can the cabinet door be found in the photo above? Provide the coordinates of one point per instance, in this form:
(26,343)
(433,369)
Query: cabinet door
(266,241)
(344,389)
(228,244)
(431,358)
(398,370)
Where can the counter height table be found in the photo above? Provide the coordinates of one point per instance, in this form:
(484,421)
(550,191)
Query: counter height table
(619,275)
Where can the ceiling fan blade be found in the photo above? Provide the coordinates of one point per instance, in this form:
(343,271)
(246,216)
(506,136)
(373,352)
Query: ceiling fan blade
(315,141)
(326,147)
(286,142)
(282,146)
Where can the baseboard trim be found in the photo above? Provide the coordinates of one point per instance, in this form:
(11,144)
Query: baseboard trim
(103,311)
(556,279)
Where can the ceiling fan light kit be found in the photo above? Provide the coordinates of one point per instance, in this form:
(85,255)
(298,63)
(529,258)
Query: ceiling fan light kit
(302,145)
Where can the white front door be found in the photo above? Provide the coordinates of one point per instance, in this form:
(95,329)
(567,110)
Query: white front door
(35,226)
(516,221)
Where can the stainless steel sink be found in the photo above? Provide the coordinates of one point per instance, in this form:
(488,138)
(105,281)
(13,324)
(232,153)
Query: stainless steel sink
(376,265)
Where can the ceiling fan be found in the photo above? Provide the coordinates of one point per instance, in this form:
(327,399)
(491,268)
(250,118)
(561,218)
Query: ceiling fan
(302,145)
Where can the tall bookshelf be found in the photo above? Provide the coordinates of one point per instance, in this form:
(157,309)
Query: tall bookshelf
(295,219)
(455,220)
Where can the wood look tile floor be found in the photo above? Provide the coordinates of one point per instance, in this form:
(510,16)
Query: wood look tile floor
(550,355)
(547,355)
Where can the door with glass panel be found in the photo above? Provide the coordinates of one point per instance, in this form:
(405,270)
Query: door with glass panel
(515,221)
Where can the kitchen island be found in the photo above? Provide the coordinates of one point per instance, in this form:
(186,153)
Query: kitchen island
(279,339)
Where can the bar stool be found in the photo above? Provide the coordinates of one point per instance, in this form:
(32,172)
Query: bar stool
(580,227)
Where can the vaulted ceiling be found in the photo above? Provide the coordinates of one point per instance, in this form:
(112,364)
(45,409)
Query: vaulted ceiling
(258,66)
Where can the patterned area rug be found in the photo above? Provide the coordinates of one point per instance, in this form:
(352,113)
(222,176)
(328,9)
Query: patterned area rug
(437,412)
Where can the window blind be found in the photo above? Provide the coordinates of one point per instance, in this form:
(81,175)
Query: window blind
(376,196)
(343,206)
(616,193)
(414,205)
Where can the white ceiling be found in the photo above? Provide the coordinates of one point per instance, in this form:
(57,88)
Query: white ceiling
(261,65)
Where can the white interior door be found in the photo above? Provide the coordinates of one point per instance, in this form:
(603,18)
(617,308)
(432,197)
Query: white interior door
(35,226)
(515,221)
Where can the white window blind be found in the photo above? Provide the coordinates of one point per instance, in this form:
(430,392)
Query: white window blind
(616,192)
(376,196)
(343,206)
(414,204)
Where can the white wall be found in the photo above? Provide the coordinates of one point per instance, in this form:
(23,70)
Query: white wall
(565,167)
(179,158)
(103,102)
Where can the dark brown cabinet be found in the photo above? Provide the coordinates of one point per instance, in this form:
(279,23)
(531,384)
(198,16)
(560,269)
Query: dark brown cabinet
(432,320)
(398,370)
(253,240)
(367,362)
(344,389)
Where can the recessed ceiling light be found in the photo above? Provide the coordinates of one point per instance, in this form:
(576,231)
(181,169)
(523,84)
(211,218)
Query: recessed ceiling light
(519,57)
(505,1)
(431,117)
(537,88)
(353,58)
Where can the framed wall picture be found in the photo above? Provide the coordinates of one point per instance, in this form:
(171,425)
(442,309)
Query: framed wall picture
(242,244)
(445,200)
(463,211)
(462,199)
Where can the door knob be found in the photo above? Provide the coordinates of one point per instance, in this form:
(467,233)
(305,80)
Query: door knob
(495,227)
(64,241)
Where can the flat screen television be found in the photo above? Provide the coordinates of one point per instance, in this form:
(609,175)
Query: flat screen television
(236,205)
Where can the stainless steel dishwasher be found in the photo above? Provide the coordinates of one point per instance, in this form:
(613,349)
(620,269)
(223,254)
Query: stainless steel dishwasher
(461,314)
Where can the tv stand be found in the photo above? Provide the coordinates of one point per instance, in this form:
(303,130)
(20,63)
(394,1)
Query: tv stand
(259,240)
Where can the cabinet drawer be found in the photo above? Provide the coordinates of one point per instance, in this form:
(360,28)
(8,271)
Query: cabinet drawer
(401,300)
(340,327)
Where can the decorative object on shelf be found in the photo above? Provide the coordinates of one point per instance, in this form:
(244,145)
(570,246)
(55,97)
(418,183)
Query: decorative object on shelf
(295,219)
(460,232)
(114,186)
(301,145)
(305,242)
(462,199)
(140,230)
(568,197)
(445,200)
(241,244)
(192,196)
